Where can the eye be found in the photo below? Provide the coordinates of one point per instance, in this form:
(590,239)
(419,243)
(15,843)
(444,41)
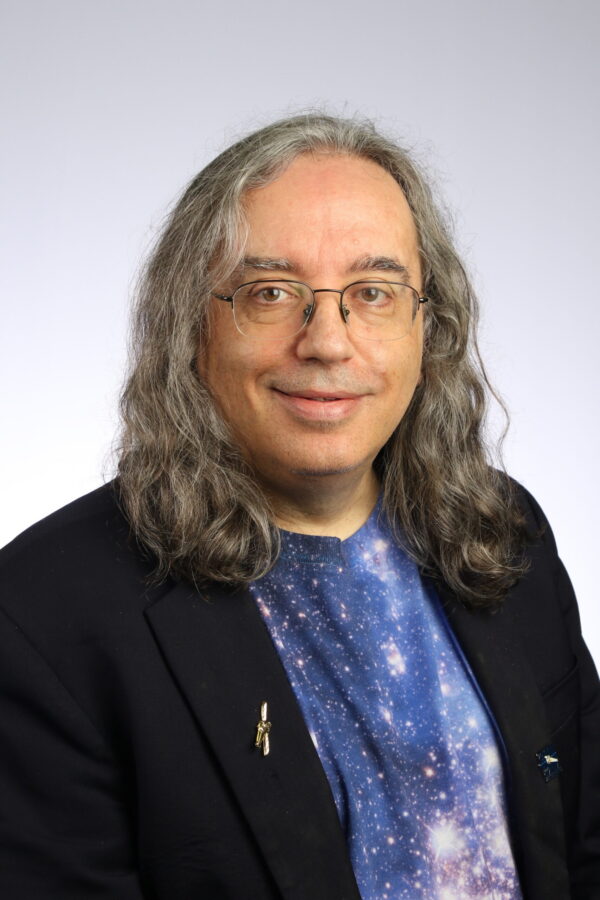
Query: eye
(372,294)
(270,294)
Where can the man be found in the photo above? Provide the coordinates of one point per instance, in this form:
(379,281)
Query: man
(309,644)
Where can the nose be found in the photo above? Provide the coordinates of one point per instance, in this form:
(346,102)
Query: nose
(325,336)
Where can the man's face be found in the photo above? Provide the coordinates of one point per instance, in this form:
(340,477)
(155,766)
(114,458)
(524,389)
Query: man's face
(324,215)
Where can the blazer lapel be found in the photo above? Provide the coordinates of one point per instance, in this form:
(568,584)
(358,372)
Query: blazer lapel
(491,643)
(222,657)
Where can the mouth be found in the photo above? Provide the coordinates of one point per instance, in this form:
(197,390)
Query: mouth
(318,405)
(320,396)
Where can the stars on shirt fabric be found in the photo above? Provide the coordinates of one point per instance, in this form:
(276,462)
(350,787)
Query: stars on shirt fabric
(399,726)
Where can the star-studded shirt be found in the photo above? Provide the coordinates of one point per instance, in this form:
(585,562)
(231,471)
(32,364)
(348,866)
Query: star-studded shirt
(400,726)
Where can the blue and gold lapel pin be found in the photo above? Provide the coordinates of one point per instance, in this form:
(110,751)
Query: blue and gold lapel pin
(548,764)
(262,730)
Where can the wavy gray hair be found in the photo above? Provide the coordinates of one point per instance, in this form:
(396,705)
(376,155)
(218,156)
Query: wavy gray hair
(191,498)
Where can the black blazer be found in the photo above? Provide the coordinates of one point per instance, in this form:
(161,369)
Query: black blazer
(128,714)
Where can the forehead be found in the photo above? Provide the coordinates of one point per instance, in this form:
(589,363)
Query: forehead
(325,207)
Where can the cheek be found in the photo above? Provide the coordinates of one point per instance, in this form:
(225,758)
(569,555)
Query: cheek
(232,367)
(406,377)
(401,365)
(217,367)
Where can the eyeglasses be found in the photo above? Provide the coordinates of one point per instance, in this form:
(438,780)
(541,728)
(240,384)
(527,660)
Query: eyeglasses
(374,310)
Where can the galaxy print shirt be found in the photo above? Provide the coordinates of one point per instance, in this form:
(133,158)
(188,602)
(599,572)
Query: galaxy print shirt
(398,722)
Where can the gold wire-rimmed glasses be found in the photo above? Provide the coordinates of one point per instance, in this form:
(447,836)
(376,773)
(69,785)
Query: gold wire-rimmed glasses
(279,309)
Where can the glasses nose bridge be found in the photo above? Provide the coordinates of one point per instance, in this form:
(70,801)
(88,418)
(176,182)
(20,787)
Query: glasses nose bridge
(341,307)
(326,291)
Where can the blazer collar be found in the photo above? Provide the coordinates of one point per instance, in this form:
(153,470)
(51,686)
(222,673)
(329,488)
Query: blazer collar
(222,657)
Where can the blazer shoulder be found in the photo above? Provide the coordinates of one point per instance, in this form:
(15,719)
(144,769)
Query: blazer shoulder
(535,518)
(91,512)
(77,551)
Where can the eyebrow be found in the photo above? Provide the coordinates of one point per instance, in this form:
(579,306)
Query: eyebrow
(267,264)
(362,264)
(379,264)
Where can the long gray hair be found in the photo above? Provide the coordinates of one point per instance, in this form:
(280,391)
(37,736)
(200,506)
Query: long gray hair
(193,501)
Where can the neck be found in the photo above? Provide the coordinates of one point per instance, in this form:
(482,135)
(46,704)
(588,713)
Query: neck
(325,505)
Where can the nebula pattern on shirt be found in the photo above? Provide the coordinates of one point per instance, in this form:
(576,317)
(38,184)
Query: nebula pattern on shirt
(402,734)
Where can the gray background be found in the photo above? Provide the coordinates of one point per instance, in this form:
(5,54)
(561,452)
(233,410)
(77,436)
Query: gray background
(109,107)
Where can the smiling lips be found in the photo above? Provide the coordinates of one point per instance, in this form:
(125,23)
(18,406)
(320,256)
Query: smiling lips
(321,395)
(320,405)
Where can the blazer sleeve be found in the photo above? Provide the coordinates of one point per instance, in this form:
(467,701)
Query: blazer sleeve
(65,833)
(582,812)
